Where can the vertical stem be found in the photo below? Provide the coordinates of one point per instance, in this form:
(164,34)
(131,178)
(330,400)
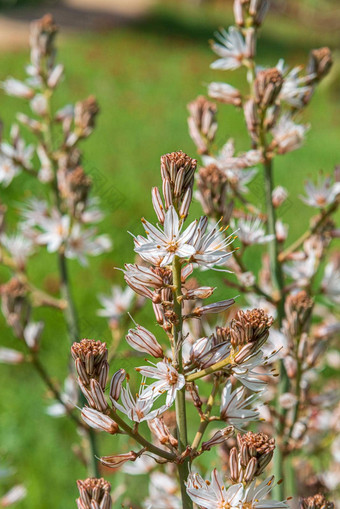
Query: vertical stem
(278,282)
(183,468)
(70,312)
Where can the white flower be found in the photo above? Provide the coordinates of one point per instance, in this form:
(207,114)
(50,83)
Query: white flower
(254,496)
(18,152)
(164,245)
(245,372)
(80,243)
(137,409)
(331,281)
(35,212)
(235,406)
(210,246)
(294,89)
(18,246)
(55,232)
(92,213)
(322,194)
(231,47)
(288,136)
(250,231)
(168,380)
(116,304)
(301,271)
(17,88)
(213,495)
(162,492)
(8,170)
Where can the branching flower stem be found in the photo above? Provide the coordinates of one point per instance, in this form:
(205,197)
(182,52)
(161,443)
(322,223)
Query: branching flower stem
(140,439)
(183,468)
(205,419)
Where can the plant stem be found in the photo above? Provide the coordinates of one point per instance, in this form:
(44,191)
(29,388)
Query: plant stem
(278,283)
(49,383)
(205,420)
(140,439)
(183,468)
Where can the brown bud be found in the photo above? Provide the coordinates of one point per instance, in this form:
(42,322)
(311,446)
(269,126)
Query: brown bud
(320,62)
(267,86)
(94,490)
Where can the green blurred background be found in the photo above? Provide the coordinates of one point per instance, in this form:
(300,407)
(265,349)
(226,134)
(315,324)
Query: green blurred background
(143,68)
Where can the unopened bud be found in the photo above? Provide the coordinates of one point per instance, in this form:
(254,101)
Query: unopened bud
(99,421)
(116,384)
(117,460)
(267,86)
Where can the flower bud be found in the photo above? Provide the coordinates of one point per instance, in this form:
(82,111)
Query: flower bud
(202,123)
(219,438)
(267,86)
(162,432)
(279,196)
(116,384)
(316,502)
(99,421)
(94,491)
(224,93)
(216,307)
(320,62)
(143,340)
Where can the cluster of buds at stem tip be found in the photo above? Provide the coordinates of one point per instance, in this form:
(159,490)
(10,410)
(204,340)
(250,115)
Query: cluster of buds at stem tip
(42,37)
(319,63)
(202,123)
(94,494)
(90,358)
(316,502)
(177,171)
(248,331)
(212,186)
(298,310)
(250,458)
(267,86)
(252,11)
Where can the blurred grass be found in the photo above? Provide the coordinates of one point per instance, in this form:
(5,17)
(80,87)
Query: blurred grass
(143,77)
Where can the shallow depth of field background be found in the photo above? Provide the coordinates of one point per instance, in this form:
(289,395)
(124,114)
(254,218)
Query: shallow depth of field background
(143,71)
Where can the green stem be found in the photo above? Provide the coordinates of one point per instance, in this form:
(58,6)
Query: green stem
(183,468)
(278,282)
(205,419)
(140,439)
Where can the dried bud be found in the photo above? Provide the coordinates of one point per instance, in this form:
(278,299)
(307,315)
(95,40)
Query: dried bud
(320,62)
(212,188)
(202,123)
(85,113)
(117,460)
(219,438)
(267,86)
(76,189)
(177,170)
(90,358)
(250,326)
(94,493)
(316,502)
(99,421)
(162,432)
(298,309)
(143,340)
(15,305)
